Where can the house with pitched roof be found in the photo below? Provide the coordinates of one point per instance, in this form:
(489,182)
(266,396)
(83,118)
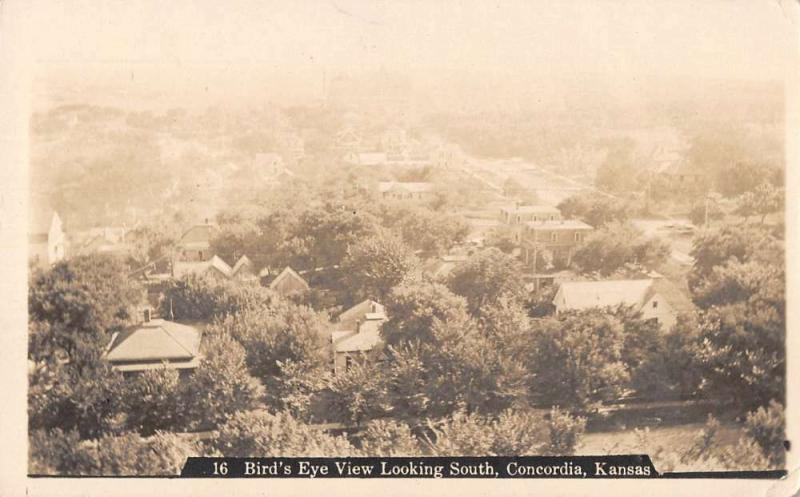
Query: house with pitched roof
(195,244)
(286,283)
(405,190)
(655,298)
(214,267)
(46,238)
(244,270)
(356,332)
(153,344)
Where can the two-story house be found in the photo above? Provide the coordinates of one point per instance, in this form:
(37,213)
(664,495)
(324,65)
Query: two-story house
(558,238)
(356,332)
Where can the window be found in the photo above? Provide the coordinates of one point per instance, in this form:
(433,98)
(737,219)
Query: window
(554,237)
(200,254)
(577,237)
(655,304)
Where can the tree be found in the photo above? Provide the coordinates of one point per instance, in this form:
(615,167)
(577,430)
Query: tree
(58,452)
(762,200)
(375,265)
(198,297)
(150,401)
(413,307)
(261,434)
(577,360)
(595,209)
(279,332)
(512,433)
(487,277)
(714,247)
(358,394)
(565,432)
(739,178)
(424,229)
(388,438)
(82,299)
(610,248)
(220,386)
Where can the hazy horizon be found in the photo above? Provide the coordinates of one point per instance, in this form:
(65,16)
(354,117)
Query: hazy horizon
(197,53)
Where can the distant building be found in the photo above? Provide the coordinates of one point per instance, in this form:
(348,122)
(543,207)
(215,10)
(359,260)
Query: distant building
(441,267)
(46,239)
(195,244)
(214,267)
(287,283)
(368,159)
(106,240)
(656,299)
(398,190)
(356,332)
(153,344)
(559,238)
(517,215)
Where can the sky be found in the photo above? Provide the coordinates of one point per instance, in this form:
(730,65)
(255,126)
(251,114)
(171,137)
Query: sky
(277,50)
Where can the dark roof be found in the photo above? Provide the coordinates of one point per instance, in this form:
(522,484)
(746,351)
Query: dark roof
(156,340)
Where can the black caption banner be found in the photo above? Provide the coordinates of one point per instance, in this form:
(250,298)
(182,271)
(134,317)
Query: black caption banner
(633,466)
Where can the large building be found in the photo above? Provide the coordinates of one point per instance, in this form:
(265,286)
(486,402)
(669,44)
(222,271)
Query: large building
(195,244)
(557,238)
(655,298)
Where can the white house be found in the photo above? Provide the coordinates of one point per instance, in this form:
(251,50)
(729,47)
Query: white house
(654,298)
(46,239)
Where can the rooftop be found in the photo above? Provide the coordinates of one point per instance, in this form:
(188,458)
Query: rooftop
(566,224)
(155,340)
(587,294)
(531,209)
(415,187)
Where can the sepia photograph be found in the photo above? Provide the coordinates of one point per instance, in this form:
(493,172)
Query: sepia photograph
(402,229)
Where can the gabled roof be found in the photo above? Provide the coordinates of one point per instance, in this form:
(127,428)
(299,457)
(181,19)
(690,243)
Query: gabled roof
(414,187)
(587,294)
(243,262)
(42,220)
(198,236)
(530,209)
(361,310)
(156,340)
(180,268)
(287,273)
(350,341)
(566,224)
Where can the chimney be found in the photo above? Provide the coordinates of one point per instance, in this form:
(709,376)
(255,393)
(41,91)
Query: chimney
(206,221)
(146,315)
(374,307)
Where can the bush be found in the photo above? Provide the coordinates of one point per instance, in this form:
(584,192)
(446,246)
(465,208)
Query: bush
(57,452)
(151,401)
(510,434)
(388,438)
(220,386)
(565,432)
(767,427)
(261,434)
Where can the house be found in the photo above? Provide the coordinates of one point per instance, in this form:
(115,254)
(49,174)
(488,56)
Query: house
(214,267)
(244,269)
(441,267)
(369,159)
(517,215)
(46,239)
(106,240)
(153,344)
(655,298)
(286,283)
(400,190)
(356,332)
(195,244)
(559,238)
